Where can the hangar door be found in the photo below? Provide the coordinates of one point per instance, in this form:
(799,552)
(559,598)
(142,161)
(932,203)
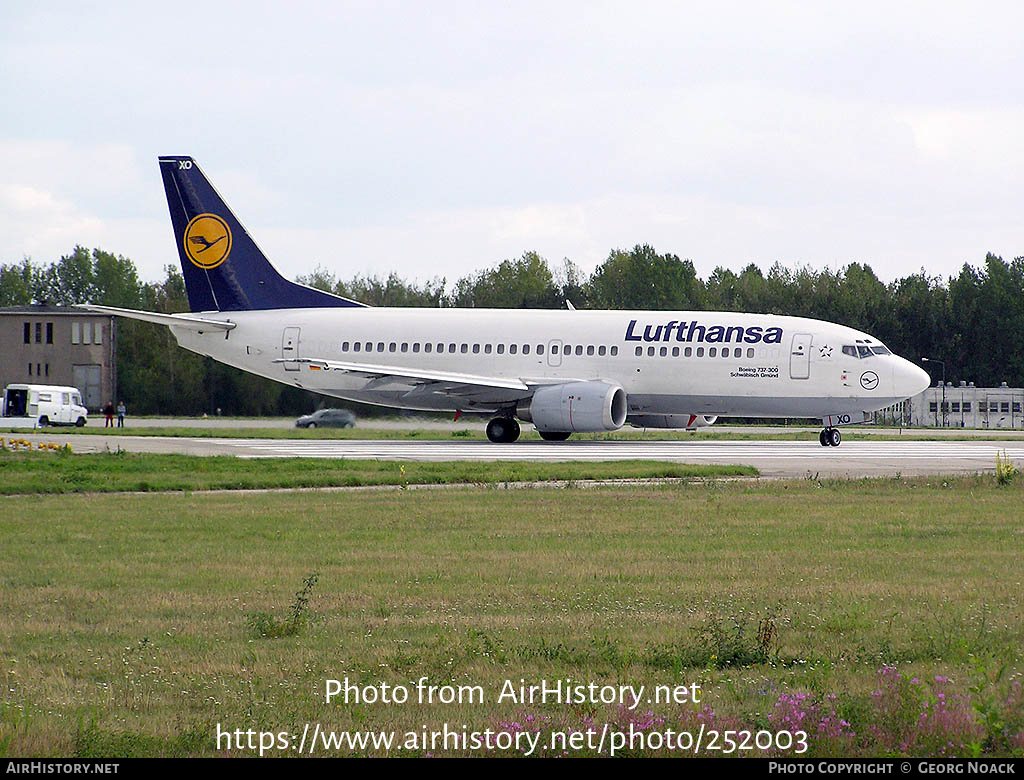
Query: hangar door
(800,356)
(87,378)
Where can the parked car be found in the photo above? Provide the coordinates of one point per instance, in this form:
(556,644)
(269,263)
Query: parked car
(327,418)
(42,405)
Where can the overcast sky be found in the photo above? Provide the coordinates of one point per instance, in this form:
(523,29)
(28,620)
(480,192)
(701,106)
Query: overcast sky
(438,138)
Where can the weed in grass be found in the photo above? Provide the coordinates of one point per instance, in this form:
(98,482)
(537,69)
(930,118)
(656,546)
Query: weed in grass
(1005,470)
(268,626)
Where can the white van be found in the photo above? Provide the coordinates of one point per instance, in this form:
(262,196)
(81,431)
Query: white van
(26,406)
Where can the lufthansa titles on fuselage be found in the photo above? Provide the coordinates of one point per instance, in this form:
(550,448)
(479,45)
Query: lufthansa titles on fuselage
(694,332)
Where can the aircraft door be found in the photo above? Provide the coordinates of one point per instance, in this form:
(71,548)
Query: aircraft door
(800,356)
(555,353)
(290,348)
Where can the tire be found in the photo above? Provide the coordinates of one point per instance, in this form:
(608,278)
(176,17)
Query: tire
(554,435)
(503,430)
(44,421)
(823,439)
(311,425)
(835,438)
(80,422)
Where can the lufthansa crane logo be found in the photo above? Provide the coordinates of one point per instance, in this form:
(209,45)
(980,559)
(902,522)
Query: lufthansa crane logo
(207,241)
(869,380)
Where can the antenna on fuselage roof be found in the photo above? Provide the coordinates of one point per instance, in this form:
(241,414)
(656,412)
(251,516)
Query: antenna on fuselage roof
(569,306)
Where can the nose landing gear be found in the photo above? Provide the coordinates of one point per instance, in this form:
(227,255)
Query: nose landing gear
(830,437)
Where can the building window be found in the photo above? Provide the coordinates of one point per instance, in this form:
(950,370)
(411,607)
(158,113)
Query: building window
(28,333)
(97,333)
(87,333)
(39,333)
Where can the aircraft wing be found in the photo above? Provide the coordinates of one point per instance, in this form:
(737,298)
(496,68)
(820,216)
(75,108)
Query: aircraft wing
(469,389)
(190,321)
(448,382)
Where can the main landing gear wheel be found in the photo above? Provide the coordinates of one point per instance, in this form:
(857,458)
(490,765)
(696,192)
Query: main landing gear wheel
(554,435)
(503,430)
(830,437)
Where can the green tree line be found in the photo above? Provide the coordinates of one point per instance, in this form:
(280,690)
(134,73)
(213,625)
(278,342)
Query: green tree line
(973,321)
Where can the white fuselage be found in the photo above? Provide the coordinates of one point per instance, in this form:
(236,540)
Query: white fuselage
(668,363)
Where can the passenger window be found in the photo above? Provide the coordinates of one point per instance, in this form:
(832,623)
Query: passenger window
(526,349)
(440,348)
(501,349)
(675,351)
(700,351)
(392,347)
(415,346)
(663,351)
(639,351)
(540,349)
(579,349)
(487,349)
(405,346)
(344,346)
(600,351)
(650,352)
(688,352)
(512,349)
(451,348)
(380,346)
(615,351)
(554,349)
(750,352)
(464,349)
(428,347)
(712,351)
(356,347)
(476,349)
(590,351)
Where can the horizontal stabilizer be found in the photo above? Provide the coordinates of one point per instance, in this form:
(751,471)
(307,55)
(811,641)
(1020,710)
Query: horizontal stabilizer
(189,321)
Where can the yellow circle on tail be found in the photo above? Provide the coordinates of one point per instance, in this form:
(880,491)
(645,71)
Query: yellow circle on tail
(207,241)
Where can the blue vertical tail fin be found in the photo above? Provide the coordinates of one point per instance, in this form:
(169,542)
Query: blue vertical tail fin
(224,270)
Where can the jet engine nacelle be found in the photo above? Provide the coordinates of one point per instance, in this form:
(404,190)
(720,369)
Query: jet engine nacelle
(672,420)
(576,407)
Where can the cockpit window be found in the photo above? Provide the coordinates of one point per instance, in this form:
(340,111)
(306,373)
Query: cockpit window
(850,350)
(863,351)
(881,350)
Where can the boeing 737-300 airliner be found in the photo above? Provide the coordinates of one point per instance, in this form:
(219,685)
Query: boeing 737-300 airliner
(563,371)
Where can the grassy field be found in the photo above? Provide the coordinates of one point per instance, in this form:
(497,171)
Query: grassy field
(133,625)
(26,472)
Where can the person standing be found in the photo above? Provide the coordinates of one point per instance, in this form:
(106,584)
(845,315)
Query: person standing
(108,410)
(121,411)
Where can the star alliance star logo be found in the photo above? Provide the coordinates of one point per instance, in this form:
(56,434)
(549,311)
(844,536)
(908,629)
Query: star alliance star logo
(825,351)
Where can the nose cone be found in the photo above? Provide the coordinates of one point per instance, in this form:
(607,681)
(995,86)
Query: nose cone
(908,379)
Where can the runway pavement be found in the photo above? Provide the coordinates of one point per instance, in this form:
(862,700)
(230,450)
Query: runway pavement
(772,458)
